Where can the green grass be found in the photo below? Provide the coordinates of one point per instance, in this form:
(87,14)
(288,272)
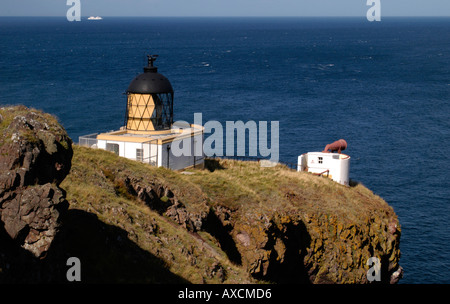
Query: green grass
(238,185)
(246,185)
(96,185)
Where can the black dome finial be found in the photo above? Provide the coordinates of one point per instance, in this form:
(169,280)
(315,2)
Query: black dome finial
(150,67)
(151,59)
(150,82)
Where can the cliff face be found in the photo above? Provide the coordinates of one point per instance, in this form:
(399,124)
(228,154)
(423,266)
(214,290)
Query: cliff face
(233,222)
(35,154)
(318,248)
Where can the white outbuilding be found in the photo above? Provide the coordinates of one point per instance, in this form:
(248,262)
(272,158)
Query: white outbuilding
(335,166)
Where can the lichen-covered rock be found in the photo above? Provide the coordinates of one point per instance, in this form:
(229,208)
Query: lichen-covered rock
(34,147)
(35,157)
(319,248)
(31,216)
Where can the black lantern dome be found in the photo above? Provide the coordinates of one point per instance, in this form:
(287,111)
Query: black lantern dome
(150,82)
(149,100)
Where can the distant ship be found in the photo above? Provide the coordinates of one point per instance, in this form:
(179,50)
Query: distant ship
(95,18)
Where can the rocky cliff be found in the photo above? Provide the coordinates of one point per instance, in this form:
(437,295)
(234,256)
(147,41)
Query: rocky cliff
(36,155)
(232,222)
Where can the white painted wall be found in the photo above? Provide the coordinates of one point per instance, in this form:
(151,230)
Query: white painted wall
(101,144)
(151,153)
(126,149)
(159,154)
(337,164)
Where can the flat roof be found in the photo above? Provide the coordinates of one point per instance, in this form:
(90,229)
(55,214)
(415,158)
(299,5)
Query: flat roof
(144,136)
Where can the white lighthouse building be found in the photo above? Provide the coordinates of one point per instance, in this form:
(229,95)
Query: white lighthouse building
(149,133)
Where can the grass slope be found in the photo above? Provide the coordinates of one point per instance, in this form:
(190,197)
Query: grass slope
(95,185)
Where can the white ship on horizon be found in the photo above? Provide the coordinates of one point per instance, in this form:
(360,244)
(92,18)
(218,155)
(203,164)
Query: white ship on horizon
(95,18)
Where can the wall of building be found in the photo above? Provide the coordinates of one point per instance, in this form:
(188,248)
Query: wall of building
(337,165)
(173,162)
(126,149)
(160,155)
(151,153)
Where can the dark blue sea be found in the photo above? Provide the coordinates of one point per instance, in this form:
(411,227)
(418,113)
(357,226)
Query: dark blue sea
(382,86)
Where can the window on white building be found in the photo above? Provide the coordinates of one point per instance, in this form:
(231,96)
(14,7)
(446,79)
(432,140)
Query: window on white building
(113,148)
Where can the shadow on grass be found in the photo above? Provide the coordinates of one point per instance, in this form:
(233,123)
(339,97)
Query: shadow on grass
(212,164)
(105,252)
(353,183)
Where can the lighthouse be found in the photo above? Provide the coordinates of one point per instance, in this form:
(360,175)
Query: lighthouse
(149,132)
(149,101)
